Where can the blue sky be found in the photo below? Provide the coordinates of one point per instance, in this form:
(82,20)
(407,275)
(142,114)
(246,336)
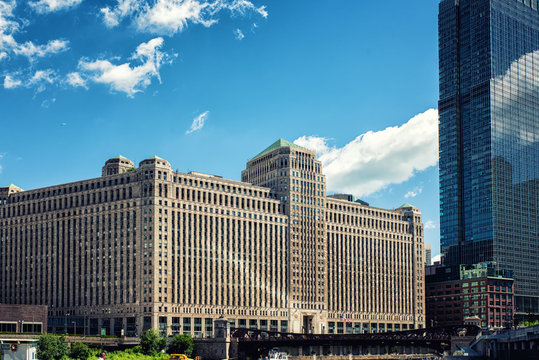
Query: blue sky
(209,84)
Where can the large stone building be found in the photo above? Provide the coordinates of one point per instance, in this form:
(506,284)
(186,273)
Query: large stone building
(150,247)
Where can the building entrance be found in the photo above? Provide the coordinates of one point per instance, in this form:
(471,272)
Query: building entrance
(307,324)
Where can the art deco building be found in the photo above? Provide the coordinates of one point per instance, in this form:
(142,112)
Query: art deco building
(150,247)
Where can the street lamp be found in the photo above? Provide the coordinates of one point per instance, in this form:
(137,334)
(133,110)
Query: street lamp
(65,323)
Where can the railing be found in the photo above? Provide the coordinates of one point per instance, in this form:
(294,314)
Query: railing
(437,334)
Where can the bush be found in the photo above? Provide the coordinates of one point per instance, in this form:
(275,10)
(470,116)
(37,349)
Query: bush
(528,323)
(51,347)
(181,344)
(127,355)
(151,343)
(80,351)
(134,350)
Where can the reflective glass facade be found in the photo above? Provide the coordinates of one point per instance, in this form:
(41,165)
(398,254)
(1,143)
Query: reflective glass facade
(489,138)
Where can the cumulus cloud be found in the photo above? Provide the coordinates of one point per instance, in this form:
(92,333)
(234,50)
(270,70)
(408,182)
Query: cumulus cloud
(41,78)
(374,160)
(10,26)
(429,224)
(124,8)
(74,79)
(168,17)
(38,80)
(32,51)
(10,82)
(46,6)
(241,7)
(125,77)
(410,194)
(413,193)
(198,122)
(238,34)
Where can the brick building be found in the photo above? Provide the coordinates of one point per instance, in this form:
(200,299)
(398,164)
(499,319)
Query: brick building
(454,293)
(23,318)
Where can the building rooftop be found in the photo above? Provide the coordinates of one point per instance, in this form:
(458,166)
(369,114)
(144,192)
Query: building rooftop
(279,144)
(405,205)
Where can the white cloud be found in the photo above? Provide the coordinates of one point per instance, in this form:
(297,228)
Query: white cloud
(374,160)
(46,6)
(168,17)
(9,26)
(429,225)
(238,34)
(7,23)
(410,194)
(32,51)
(112,17)
(11,83)
(40,79)
(198,122)
(124,77)
(74,79)
(172,16)
(1,157)
(413,193)
(240,7)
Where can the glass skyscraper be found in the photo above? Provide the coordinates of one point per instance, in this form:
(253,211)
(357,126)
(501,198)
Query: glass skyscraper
(489,138)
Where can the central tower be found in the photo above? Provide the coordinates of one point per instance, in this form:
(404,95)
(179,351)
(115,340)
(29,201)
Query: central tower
(295,177)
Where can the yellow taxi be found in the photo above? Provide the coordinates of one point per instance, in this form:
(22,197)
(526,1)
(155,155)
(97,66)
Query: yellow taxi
(178,357)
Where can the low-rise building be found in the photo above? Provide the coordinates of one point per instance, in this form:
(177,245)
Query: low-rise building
(23,318)
(454,293)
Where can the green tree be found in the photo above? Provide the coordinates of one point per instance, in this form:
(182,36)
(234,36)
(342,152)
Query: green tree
(181,344)
(51,347)
(80,351)
(151,342)
(528,323)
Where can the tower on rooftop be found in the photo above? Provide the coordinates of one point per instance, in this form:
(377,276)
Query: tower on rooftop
(116,165)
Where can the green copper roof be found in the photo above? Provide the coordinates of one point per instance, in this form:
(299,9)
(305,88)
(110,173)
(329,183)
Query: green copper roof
(405,205)
(278,144)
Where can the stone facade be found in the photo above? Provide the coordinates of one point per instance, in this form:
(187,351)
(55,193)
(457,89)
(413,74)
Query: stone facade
(150,247)
(23,318)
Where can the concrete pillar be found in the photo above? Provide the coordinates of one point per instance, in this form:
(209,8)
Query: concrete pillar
(221,328)
(222,338)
